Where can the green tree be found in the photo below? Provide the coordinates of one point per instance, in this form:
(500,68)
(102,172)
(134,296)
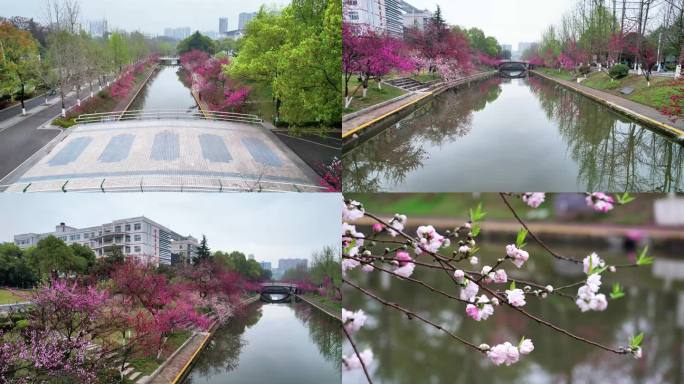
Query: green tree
(52,256)
(238,262)
(196,41)
(119,50)
(83,256)
(300,273)
(14,269)
(203,251)
(19,61)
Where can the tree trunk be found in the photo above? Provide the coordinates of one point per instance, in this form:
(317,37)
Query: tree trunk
(23,107)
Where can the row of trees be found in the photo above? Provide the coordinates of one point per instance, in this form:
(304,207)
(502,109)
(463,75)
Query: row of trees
(437,48)
(640,33)
(324,275)
(59,54)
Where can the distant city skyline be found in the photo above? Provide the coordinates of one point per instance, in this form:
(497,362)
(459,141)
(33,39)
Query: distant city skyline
(151,16)
(269,226)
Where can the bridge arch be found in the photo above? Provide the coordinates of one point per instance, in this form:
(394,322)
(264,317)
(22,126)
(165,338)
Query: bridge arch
(514,69)
(278,292)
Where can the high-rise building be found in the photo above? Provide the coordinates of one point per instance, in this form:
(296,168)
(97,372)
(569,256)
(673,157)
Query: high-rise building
(223,25)
(507,47)
(265,265)
(286,264)
(97,28)
(414,17)
(244,18)
(184,250)
(381,15)
(138,237)
(177,33)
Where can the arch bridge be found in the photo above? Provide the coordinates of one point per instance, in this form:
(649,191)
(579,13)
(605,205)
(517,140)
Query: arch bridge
(278,292)
(169,60)
(514,69)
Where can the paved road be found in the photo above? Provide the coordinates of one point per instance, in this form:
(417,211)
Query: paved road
(16,109)
(19,141)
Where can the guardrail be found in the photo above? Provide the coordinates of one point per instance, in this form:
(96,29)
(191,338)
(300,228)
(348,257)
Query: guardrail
(178,114)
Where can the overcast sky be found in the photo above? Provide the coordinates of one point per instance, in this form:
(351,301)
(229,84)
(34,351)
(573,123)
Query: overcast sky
(270,226)
(150,16)
(510,21)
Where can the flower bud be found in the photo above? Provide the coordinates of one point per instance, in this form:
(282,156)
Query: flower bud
(484,347)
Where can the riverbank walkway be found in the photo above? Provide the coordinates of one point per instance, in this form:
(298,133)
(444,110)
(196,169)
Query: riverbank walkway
(365,118)
(640,112)
(599,231)
(166,155)
(328,311)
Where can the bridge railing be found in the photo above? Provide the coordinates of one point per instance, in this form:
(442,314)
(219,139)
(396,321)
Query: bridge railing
(178,114)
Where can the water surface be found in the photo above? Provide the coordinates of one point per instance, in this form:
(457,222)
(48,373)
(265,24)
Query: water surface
(515,135)
(272,343)
(165,91)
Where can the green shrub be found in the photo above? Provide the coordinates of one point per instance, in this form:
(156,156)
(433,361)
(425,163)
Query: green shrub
(584,69)
(64,123)
(671,66)
(21,324)
(618,71)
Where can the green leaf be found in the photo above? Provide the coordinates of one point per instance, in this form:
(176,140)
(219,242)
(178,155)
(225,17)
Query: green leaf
(512,286)
(475,250)
(598,270)
(520,240)
(478,214)
(643,259)
(636,340)
(617,292)
(475,229)
(625,198)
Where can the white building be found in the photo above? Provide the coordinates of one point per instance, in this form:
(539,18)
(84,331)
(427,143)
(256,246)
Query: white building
(414,17)
(138,237)
(184,250)
(177,33)
(97,28)
(384,16)
(244,18)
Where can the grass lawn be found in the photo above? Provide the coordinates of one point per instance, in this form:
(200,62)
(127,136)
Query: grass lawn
(657,95)
(458,205)
(147,365)
(374,96)
(331,305)
(425,77)
(563,75)
(7,297)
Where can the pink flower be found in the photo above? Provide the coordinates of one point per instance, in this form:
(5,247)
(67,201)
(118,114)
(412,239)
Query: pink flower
(469,291)
(397,223)
(504,353)
(403,258)
(352,362)
(429,239)
(352,211)
(533,199)
(600,201)
(353,321)
(348,264)
(500,276)
(526,347)
(377,227)
(518,256)
(592,261)
(480,310)
(459,275)
(406,270)
(515,297)
(367,268)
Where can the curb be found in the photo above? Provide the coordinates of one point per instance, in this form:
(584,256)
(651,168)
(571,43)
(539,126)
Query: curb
(144,83)
(661,127)
(327,312)
(373,107)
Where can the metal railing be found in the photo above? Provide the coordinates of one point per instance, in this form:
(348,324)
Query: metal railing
(176,114)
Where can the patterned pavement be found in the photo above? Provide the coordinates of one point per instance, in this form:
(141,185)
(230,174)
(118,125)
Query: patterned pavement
(169,155)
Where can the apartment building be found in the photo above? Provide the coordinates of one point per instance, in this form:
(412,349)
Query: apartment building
(138,237)
(184,250)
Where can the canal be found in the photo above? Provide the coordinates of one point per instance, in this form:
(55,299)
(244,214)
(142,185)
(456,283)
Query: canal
(514,135)
(164,90)
(272,343)
(408,351)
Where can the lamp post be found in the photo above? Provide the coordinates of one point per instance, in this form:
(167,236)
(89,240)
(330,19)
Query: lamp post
(660,35)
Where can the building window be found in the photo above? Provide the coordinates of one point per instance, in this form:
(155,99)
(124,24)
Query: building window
(128,227)
(128,238)
(137,226)
(86,235)
(351,2)
(63,238)
(137,238)
(128,249)
(117,228)
(136,249)
(353,15)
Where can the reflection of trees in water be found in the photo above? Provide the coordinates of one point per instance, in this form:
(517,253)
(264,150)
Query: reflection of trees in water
(613,153)
(323,330)
(398,150)
(407,351)
(222,353)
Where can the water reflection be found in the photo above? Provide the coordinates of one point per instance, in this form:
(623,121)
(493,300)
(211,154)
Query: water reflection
(514,134)
(165,90)
(406,351)
(272,343)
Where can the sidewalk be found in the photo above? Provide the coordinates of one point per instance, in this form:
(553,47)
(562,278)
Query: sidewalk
(553,228)
(642,113)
